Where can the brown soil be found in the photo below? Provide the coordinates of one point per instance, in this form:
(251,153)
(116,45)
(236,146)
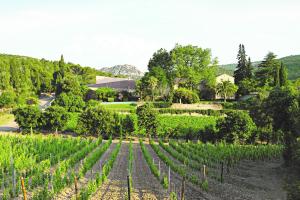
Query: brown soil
(115,187)
(253,180)
(191,191)
(145,184)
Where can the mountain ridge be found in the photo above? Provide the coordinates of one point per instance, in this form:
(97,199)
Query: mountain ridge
(127,70)
(292,63)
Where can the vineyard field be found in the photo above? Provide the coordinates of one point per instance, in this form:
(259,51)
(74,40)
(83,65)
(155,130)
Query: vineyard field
(183,124)
(61,167)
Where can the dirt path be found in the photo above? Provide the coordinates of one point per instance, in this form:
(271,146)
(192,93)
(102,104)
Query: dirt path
(150,189)
(10,126)
(191,192)
(69,192)
(115,187)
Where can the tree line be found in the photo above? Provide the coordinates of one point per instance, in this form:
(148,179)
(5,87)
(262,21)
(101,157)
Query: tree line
(189,71)
(22,78)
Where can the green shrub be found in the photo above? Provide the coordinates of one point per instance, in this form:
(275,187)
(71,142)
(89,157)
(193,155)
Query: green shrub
(55,118)
(162,104)
(110,99)
(147,119)
(28,117)
(72,122)
(204,185)
(229,105)
(96,121)
(184,95)
(209,134)
(105,93)
(173,196)
(165,182)
(32,101)
(71,102)
(92,103)
(190,111)
(7,99)
(129,125)
(236,127)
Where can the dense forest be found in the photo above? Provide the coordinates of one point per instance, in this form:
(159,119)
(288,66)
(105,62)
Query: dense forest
(24,77)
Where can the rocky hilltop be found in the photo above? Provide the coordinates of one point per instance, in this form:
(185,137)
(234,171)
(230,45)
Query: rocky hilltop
(129,71)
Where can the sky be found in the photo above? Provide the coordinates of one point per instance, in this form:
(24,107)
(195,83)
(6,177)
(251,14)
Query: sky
(101,33)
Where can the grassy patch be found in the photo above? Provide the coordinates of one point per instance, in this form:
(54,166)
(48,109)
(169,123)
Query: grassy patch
(120,107)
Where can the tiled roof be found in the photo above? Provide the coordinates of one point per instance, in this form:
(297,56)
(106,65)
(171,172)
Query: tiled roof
(116,83)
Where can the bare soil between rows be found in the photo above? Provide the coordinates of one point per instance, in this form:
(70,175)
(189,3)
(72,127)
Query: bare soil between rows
(145,184)
(253,180)
(115,187)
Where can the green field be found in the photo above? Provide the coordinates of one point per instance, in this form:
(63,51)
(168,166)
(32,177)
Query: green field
(183,124)
(121,107)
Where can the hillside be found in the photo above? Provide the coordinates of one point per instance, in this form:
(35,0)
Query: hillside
(124,70)
(292,63)
(26,74)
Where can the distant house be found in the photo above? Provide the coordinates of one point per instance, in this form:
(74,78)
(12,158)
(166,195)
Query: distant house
(221,78)
(119,84)
(202,87)
(224,77)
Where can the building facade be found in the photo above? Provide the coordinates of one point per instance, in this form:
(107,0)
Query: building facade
(119,84)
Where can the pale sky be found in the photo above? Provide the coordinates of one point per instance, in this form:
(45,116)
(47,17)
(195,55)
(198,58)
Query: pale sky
(106,33)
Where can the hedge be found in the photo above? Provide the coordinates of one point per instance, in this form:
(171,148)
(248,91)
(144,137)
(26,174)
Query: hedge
(202,112)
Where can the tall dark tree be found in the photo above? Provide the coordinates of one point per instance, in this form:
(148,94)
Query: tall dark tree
(267,73)
(59,75)
(282,75)
(5,75)
(15,73)
(243,70)
(276,76)
(240,72)
(62,66)
(249,69)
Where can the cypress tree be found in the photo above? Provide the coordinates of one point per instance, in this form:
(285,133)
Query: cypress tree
(61,65)
(59,75)
(276,76)
(282,75)
(243,71)
(239,73)
(249,68)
